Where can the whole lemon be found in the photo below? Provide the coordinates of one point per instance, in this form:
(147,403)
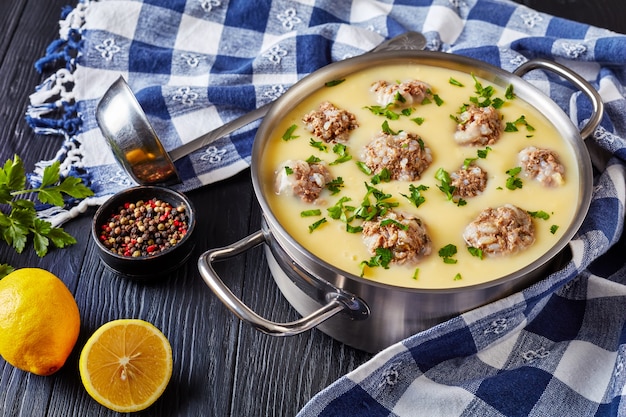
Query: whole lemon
(39,321)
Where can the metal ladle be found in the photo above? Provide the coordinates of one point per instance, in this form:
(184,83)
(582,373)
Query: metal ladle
(137,147)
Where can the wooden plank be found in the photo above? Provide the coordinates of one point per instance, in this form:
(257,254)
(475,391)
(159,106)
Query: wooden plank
(222,367)
(32,25)
(606,14)
(289,370)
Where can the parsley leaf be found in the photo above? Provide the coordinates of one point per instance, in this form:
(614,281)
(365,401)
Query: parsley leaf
(446,186)
(288,135)
(318,145)
(334,82)
(334,186)
(382,258)
(455,82)
(20,221)
(384,111)
(392,222)
(383,176)
(447,253)
(415,194)
(311,213)
(317,224)
(386,129)
(521,121)
(476,252)
(539,214)
(342,151)
(368,210)
(509,94)
(513,182)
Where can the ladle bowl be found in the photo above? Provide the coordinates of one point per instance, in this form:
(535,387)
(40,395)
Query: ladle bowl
(137,147)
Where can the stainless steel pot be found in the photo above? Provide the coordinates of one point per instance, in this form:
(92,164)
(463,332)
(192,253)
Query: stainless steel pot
(362,313)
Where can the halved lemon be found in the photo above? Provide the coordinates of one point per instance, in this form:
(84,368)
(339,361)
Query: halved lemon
(126,365)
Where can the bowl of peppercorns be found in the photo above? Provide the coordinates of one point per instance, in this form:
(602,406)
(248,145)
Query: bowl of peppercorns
(144,232)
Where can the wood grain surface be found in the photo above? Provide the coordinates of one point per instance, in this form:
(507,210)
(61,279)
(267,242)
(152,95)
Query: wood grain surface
(221,366)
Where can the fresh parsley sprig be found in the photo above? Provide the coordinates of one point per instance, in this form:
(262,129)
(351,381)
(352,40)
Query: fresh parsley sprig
(22,222)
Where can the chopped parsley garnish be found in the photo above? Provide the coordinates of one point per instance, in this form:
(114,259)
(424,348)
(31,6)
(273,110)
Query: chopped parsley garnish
(342,151)
(382,258)
(353,229)
(415,194)
(368,209)
(383,176)
(539,214)
(313,159)
(438,100)
(334,186)
(392,222)
(484,94)
(513,182)
(418,120)
(481,153)
(497,103)
(554,228)
(521,121)
(399,97)
(311,213)
(288,135)
(446,186)
(455,82)
(457,277)
(509,94)
(317,224)
(476,252)
(364,168)
(467,162)
(388,130)
(288,170)
(447,253)
(334,82)
(318,145)
(384,111)
(340,211)
(416,273)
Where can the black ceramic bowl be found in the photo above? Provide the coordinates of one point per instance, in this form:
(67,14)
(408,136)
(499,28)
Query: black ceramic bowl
(159,262)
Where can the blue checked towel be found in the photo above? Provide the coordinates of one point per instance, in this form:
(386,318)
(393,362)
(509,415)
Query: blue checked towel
(556,349)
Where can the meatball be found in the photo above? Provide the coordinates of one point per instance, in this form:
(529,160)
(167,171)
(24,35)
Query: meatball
(402,233)
(404,155)
(478,126)
(303,179)
(469,182)
(542,165)
(404,94)
(500,231)
(330,123)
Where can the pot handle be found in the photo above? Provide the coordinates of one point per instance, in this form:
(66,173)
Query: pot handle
(578,81)
(241,310)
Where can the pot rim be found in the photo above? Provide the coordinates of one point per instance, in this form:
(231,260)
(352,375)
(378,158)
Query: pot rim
(497,76)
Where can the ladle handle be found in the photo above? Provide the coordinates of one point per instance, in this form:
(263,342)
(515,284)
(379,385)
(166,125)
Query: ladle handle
(215,134)
(578,81)
(407,40)
(241,310)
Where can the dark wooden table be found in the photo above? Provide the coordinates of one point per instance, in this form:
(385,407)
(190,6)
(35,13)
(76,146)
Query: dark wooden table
(221,367)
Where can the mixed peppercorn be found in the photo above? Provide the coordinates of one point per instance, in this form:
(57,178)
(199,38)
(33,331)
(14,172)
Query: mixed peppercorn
(144,228)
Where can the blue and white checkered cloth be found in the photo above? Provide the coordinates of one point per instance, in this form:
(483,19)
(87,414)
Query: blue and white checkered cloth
(556,349)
